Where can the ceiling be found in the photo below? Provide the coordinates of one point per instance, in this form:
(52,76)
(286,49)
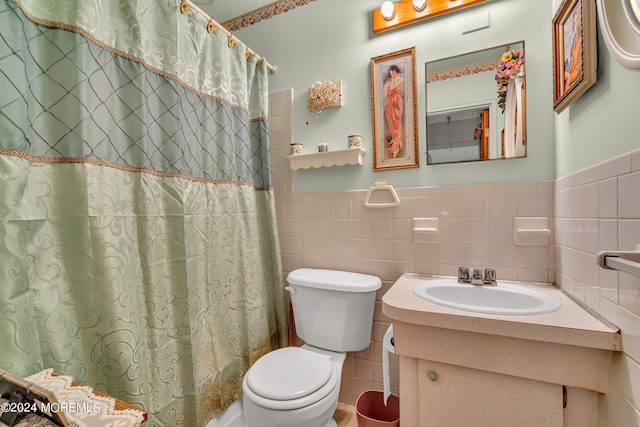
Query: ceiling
(224,10)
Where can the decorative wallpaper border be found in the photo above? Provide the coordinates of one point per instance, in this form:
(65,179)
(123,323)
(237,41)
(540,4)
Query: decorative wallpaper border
(266,12)
(462,71)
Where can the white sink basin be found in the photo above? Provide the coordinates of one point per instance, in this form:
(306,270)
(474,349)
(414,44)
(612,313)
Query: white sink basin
(500,299)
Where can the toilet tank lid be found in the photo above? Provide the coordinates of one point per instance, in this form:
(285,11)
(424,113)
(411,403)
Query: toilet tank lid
(334,280)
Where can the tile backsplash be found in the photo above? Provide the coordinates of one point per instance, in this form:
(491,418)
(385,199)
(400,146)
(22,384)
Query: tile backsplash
(476,229)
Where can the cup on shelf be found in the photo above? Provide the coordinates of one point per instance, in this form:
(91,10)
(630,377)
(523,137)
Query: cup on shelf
(296,149)
(354,141)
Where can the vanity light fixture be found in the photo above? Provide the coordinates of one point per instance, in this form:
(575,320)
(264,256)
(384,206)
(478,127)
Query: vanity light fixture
(419,4)
(388,10)
(404,12)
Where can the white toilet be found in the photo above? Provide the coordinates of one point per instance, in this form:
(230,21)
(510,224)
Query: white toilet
(299,386)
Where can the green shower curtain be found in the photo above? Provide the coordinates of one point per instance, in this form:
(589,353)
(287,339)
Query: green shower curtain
(138,240)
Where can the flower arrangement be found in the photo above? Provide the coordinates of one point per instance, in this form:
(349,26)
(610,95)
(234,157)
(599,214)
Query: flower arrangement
(511,66)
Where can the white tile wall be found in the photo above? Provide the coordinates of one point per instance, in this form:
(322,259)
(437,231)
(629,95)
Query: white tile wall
(596,209)
(334,230)
(476,229)
(599,209)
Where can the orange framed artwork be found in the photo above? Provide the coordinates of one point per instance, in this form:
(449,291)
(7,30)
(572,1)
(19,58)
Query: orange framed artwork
(394,110)
(574,51)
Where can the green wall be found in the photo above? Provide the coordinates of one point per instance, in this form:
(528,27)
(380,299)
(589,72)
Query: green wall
(332,39)
(601,124)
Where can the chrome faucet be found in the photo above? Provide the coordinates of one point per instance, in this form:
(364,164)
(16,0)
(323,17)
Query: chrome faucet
(477,277)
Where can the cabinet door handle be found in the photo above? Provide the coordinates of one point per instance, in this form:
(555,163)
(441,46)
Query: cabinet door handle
(433,376)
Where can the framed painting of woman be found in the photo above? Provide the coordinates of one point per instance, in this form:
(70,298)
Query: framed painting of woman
(394,110)
(574,51)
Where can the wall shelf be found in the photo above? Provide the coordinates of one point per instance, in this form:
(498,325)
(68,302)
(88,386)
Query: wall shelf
(350,156)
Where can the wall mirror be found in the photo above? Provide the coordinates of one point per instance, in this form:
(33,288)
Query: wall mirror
(476,106)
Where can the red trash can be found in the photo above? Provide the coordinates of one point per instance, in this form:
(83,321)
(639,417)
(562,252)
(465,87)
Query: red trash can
(372,412)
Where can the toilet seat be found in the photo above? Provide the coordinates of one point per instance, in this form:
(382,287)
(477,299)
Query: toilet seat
(290,378)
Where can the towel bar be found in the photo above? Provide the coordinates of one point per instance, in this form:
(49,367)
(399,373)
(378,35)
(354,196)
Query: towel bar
(627,261)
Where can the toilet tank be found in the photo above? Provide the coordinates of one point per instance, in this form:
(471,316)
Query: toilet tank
(333,309)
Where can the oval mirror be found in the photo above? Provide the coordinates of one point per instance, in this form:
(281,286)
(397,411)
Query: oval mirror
(476,106)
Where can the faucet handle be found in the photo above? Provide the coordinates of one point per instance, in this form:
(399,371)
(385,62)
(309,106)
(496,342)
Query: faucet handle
(489,276)
(463,275)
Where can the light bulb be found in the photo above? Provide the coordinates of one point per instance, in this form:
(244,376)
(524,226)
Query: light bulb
(388,10)
(419,4)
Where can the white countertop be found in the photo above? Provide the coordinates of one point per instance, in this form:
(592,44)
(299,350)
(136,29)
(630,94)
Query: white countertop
(571,324)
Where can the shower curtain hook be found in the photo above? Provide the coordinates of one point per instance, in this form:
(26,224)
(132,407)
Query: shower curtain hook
(231,41)
(211,27)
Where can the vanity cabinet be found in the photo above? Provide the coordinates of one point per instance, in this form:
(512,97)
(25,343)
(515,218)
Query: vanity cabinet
(459,368)
(484,398)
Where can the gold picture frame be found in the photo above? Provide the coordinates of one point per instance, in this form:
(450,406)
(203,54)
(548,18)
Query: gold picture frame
(574,51)
(394,111)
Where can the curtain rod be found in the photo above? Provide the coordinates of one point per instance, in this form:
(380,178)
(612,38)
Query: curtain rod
(212,23)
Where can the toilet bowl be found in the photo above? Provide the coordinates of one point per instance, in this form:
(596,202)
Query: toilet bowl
(300,386)
(293,386)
